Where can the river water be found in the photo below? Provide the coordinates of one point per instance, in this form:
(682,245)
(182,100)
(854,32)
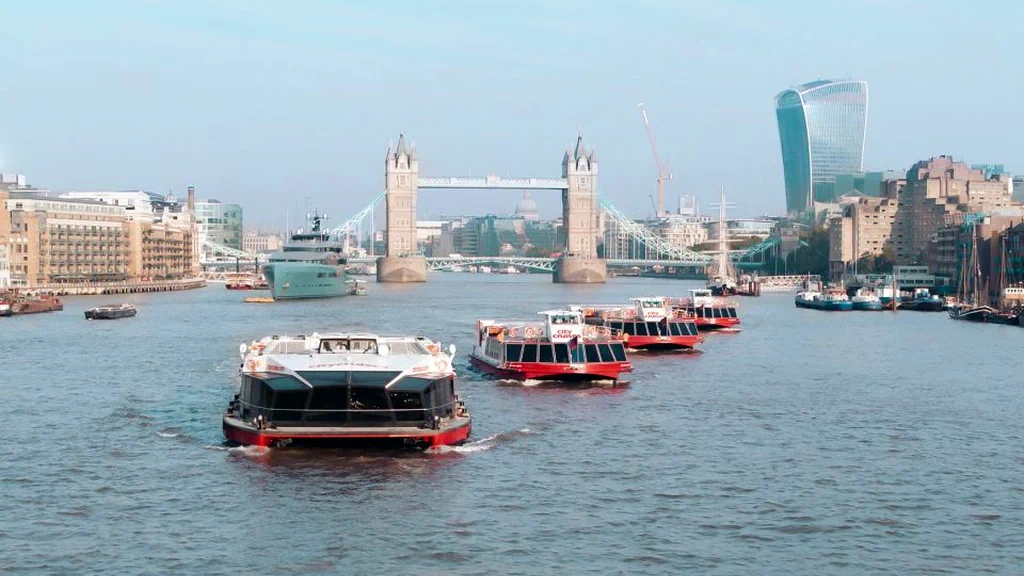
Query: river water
(808,443)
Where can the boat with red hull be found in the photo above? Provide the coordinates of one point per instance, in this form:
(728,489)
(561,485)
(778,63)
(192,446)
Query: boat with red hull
(346,389)
(561,348)
(246,281)
(708,312)
(648,324)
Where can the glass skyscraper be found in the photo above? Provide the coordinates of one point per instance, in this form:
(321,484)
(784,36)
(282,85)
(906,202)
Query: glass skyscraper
(821,127)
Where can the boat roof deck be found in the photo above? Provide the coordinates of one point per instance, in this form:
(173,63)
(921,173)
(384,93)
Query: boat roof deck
(347,351)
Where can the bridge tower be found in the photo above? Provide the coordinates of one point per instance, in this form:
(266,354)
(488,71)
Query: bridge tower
(580,264)
(401,262)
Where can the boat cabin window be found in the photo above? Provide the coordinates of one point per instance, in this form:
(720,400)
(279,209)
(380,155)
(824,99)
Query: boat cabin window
(654,328)
(675,328)
(513,352)
(365,345)
(650,303)
(530,353)
(619,351)
(545,353)
(629,328)
(606,353)
(732,312)
(565,319)
(562,353)
(641,329)
(333,346)
(592,353)
(615,325)
(368,405)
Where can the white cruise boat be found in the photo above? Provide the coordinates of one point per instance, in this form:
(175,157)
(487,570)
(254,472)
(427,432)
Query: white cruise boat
(348,389)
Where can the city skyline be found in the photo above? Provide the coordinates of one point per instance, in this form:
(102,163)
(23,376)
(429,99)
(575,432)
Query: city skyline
(266,106)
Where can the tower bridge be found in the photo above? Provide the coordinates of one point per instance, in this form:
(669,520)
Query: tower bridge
(580,209)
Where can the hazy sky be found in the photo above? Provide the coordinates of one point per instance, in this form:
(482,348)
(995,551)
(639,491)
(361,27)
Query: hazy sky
(268,103)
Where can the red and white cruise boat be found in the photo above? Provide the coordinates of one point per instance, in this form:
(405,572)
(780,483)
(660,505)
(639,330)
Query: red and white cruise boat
(346,389)
(561,348)
(649,324)
(707,311)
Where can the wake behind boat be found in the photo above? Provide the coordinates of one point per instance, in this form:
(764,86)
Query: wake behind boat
(346,389)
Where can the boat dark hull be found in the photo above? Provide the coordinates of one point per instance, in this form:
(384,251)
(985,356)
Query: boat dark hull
(109,314)
(549,371)
(453,433)
(723,291)
(666,343)
(825,306)
(923,305)
(970,314)
(1003,318)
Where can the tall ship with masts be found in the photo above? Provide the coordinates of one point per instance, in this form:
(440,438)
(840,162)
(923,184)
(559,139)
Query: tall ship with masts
(968,306)
(310,265)
(721,276)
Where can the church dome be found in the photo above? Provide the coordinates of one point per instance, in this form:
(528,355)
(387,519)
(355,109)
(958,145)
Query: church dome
(527,208)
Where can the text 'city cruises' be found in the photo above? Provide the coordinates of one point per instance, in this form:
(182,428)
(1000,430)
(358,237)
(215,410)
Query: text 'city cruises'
(347,389)
(559,348)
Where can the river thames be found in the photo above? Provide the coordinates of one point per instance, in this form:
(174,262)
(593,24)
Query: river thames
(808,443)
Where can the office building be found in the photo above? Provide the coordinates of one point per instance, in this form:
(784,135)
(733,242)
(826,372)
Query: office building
(220,223)
(822,126)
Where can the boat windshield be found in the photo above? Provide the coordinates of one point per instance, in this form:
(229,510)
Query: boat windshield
(341,345)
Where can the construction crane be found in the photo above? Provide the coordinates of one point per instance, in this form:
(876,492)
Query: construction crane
(664,175)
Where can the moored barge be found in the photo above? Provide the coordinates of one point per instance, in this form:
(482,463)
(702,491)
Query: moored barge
(110,312)
(346,389)
(561,348)
(649,324)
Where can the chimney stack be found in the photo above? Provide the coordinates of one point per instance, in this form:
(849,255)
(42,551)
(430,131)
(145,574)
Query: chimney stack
(191,198)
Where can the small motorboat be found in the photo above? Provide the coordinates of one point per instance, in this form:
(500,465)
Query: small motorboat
(356,288)
(110,312)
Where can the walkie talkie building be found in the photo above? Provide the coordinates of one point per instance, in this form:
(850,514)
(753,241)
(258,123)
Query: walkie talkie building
(822,125)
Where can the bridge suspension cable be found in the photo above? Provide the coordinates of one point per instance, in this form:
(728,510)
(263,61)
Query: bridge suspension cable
(657,248)
(352,223)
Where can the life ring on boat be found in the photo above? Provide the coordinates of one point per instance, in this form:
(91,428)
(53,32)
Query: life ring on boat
(604,331)
(513,332)
(434,348)
(531,333)
(589,331)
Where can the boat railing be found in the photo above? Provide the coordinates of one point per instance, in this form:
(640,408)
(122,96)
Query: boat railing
(457,403)
(702,302)
(537,330)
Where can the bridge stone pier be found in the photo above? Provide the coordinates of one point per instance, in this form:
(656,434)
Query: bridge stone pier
(580,211)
